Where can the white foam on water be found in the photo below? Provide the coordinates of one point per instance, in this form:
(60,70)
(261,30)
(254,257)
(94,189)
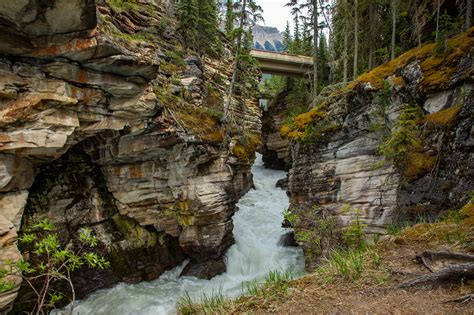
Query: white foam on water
(257,230)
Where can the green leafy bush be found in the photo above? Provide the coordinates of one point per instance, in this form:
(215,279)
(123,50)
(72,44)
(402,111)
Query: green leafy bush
(47,262)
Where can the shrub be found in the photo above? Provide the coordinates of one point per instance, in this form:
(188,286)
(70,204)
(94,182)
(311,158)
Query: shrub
(48,262)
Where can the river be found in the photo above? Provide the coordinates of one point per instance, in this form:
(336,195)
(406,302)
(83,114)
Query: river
(257,229)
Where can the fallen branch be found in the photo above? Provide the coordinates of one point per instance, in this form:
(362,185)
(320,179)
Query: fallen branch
(462,299)
(451,274)
(446,255)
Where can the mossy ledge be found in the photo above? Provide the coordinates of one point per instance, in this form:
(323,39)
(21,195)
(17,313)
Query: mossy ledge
(437,74)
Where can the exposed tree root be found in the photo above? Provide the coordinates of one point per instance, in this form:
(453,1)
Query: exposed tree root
(430,258)
(448,275)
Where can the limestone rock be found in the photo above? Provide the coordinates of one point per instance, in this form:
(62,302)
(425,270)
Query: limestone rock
(101,128)
(342,173)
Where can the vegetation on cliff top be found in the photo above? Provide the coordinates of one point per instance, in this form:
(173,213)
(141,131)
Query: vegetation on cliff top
(437,70)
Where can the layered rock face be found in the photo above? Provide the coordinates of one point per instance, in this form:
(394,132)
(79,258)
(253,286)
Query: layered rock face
(276,153)
(106,122)
(340,168)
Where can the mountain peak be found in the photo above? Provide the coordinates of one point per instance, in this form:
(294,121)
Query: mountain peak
(267,38)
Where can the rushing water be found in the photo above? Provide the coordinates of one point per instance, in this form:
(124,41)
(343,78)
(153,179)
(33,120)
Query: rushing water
(257,229)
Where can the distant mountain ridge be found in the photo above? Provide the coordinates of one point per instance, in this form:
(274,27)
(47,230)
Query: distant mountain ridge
(267,38)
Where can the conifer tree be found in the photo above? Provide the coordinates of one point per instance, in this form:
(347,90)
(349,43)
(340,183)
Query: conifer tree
(249,15)
(208,41)
(356,39)
(229,18)
(296,47)
(323,57)
(188,22)
(394,28)
(306,44)
(287,39)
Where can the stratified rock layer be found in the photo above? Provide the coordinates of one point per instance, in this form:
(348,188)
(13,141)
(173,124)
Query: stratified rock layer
(339,170)
(276,152)
(106,122)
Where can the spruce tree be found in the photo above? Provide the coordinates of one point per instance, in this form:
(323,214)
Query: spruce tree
(229,18)
(249,15)
(188,22)
(287,40)
(208,41)
(323,58)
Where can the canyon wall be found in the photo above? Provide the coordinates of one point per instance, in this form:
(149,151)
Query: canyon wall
(393,147)
(108,122)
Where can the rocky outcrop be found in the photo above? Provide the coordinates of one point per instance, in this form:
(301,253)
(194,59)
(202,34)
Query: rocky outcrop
(276,153)
(394,146)
(107,122)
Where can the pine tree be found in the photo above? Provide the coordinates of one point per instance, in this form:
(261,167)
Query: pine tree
(323,58)
(229,18)
(306,44)
(296,47)
(208,41)
(356,39)
(188,22)
(287,39)
(394,29)
(249,15)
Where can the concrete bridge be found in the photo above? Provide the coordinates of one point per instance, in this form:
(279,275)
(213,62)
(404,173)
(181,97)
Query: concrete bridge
(282,63)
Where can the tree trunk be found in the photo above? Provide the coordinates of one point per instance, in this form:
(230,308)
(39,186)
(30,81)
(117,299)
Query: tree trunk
(235,64)
(417,25)
(356,38)
(468,14)
(346,39)
(446,276)
(345,61)
(394,28)
(437,21)
(371,35)
(315,48)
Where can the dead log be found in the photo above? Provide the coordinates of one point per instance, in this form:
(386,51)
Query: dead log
(448,275)
(462,299)
(446,255)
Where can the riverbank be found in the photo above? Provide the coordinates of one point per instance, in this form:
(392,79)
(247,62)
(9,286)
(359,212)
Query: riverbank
(373,280)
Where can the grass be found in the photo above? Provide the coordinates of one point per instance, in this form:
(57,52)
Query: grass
(6,286)
(213,303)
(455,228)
(275,286)
(353,265)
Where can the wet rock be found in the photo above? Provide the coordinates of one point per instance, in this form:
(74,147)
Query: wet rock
(204,270)
(275,151)
(282,183)
(288,240)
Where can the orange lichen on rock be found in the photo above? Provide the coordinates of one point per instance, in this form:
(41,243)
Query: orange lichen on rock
(437,69)
(295,130)
(443,117)
(417,164)
(302,120)
(398,81)
(204,126)
(246,146)
(467,213)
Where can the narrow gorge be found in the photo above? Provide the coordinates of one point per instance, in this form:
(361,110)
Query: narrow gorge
(141,173)
(107,123)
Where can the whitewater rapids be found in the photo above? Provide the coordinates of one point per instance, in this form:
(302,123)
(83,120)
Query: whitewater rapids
(257,230)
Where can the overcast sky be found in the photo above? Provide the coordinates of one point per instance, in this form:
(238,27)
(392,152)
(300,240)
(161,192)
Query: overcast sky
(275,13)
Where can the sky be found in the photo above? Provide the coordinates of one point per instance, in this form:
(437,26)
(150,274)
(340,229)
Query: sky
(275,13)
